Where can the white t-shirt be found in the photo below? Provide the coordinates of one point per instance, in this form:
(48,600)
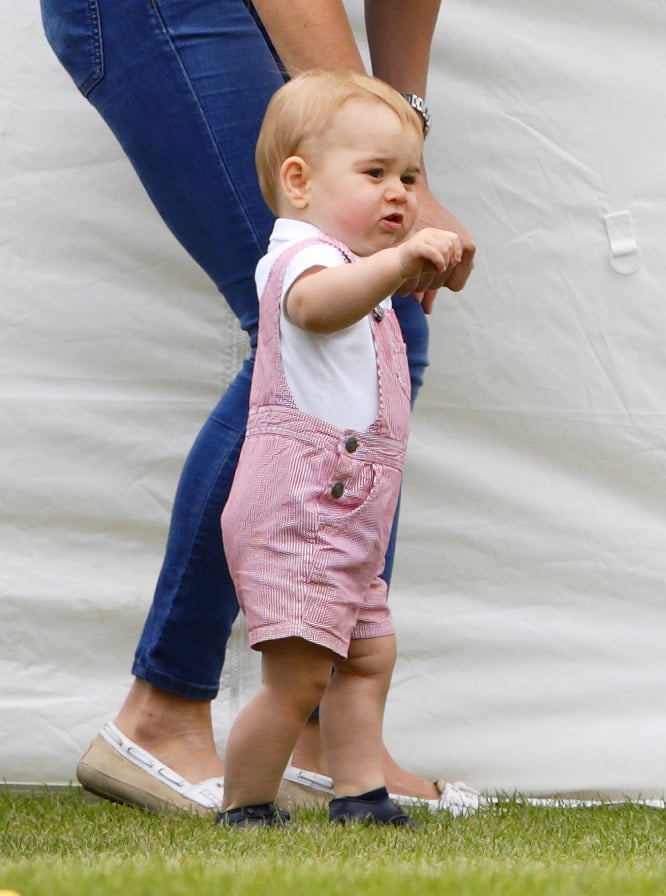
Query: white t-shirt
(332,376)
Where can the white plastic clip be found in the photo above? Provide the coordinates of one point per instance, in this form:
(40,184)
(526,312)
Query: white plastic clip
(625,255)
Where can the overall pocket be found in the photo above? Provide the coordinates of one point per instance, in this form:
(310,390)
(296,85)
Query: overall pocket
(73,30)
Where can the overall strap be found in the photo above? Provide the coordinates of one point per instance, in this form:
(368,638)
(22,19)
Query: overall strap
(268,371)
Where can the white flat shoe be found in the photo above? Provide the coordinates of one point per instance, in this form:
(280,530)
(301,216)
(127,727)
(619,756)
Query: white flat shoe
(303,786)
(117,769)
(456,798)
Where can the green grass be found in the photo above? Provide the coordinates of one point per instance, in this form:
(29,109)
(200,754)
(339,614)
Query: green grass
(61,844)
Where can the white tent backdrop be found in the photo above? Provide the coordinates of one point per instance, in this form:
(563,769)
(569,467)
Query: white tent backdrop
(529,591)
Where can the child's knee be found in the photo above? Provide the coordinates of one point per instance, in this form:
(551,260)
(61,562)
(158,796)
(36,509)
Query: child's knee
(371,657)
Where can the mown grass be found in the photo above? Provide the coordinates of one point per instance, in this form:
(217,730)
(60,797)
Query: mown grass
(61,844)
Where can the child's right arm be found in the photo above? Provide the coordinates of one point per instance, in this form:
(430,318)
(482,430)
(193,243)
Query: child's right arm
(325,300)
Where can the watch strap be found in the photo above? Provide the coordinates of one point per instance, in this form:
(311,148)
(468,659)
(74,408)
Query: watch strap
(418,105)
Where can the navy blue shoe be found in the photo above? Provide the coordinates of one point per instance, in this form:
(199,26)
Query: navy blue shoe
(382,811)
(265,814)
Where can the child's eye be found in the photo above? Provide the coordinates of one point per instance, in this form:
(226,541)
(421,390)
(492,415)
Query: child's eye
(375,172)
(408,179)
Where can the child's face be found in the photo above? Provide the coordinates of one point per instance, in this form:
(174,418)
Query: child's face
(362,178)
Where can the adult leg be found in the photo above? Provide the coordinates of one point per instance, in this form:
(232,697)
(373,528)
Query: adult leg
(184,86)
(210,62)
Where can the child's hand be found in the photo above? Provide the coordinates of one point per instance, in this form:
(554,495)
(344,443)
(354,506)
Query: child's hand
(424,256)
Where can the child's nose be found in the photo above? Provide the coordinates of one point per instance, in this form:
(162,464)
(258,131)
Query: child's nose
(397,191)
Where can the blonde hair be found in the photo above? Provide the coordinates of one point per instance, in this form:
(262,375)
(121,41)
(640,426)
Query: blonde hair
(302,109)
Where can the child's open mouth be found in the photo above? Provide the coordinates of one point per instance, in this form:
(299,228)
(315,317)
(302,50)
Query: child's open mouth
(394,221)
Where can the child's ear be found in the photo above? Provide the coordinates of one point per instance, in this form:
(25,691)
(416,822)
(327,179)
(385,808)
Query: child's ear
(295,181)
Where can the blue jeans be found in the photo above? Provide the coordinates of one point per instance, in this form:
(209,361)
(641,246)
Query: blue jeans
(183,85)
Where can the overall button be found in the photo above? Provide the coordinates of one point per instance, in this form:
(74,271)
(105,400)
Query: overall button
(337,490)
(351,444)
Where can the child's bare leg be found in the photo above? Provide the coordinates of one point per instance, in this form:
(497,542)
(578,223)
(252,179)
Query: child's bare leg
(352,715)
(295,674)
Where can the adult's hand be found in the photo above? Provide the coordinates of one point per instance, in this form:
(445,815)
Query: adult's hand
(433,214)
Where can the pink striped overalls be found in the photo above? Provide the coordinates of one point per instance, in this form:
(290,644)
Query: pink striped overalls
(309,516)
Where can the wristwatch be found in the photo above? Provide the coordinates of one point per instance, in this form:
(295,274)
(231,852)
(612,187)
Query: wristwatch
(418,105)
